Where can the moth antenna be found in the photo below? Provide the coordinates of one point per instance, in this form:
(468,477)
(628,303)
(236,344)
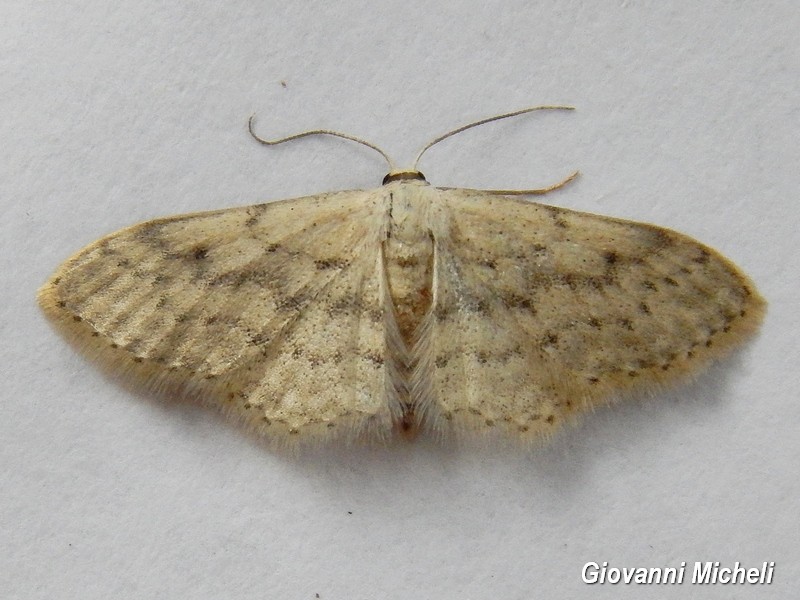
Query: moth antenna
(483,122)
(303,134)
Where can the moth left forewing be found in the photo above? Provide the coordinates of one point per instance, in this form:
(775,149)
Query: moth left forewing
(267,311)
(541,313)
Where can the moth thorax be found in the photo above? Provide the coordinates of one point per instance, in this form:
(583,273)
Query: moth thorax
(408,252)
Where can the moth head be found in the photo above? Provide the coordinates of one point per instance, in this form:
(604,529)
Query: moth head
(404,175)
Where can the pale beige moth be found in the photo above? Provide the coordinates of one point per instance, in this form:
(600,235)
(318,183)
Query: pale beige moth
(362,314)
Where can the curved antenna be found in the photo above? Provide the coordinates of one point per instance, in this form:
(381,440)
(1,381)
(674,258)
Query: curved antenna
(303,134)
(483,122)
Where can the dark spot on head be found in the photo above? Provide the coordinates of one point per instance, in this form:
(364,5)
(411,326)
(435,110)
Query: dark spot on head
(124,262)
(95,334)
(595,322)
(649,285)
(743,313)
(670,281)
(709,343)
(57,280)
(632,373)
(441,362)
(626,323)
(77,319)
(593,380)
(690,354)
(330,425)
(137,359)
(200,252)
(482,356)
(61,304)
(492,264)
(523,428)
(610,257)
(701,258)
(113,345)
(550,419)
(644,308)
(489,422)
(273,247)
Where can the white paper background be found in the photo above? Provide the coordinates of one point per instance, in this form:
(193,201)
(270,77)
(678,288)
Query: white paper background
(113,113)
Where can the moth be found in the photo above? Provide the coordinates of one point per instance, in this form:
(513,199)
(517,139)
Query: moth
(372,313)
